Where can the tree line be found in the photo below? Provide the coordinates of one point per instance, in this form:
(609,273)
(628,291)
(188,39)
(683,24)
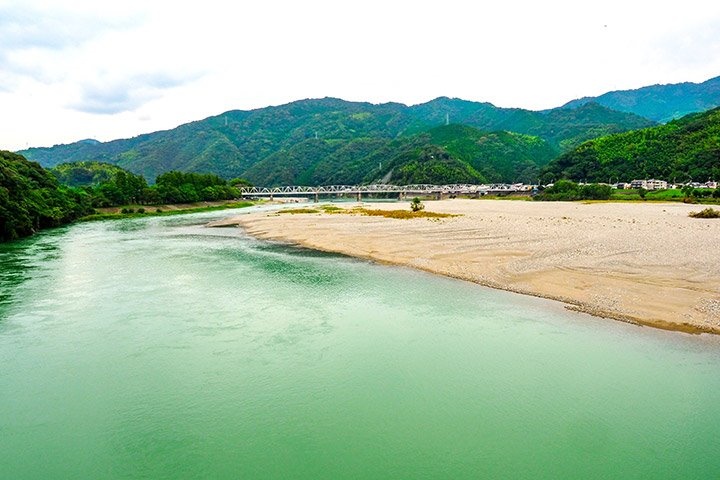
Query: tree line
(32,198)
(171,187)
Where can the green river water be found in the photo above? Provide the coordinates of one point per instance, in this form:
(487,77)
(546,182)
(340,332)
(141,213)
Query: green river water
(156,348)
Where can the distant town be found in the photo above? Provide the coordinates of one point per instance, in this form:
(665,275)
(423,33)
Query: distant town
(647,184)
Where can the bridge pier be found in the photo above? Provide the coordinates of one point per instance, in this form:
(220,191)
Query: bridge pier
(401,196)
(359,197)
(316,197)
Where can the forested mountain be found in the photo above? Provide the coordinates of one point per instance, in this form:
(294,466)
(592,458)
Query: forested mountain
(446,154)
(561,128)
(684,149)
(660,103)
(326,140)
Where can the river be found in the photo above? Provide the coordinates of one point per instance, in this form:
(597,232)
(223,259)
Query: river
(157,348)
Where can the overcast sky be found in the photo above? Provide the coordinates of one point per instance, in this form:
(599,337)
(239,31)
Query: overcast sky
(71,70)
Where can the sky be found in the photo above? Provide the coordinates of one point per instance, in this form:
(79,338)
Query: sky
(76,69)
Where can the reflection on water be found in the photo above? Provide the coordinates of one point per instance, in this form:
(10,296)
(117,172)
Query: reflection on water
(18,260)
(156,348)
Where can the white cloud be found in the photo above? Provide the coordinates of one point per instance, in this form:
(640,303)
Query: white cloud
(109,96)
(118,69)
(33,39)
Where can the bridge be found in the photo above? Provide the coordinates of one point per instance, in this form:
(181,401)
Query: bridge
(401,190)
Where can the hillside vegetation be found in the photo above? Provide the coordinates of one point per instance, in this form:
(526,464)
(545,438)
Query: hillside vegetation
(32,198)
(446,154)
(330,140)
(82,174)
(682,150)
(660,103)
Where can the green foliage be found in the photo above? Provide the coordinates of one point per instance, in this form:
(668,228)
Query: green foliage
(683,149)
(433,165)
(239,182)
(83,174)
(500,157)
(123,187)
(31,199)
(416,205)
(566,190)
(179,187)
(687,191)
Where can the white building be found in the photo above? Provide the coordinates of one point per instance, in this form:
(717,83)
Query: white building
(652,184)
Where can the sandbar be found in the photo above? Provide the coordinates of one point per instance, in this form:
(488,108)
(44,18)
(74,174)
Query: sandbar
(644,263)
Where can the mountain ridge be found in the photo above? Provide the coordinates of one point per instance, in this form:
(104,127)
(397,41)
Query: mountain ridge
(661,102)
(231,143)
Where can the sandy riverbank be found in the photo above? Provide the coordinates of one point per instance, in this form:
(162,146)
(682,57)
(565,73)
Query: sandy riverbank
(640,262)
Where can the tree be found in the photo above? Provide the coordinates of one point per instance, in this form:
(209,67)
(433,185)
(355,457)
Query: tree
(687,191)
(416,205)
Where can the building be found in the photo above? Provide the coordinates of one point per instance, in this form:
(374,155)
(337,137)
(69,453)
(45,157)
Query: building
(652,184)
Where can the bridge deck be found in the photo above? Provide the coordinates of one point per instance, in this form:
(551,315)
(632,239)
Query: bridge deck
(420,189)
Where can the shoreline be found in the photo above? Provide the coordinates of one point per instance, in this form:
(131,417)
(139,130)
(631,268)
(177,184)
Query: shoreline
(649,265)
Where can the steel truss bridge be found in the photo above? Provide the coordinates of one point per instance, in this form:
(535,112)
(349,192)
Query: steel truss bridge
(400,190)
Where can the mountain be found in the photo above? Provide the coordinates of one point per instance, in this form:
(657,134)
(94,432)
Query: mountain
(445,154)
(500,157)
(660,103)
(562,128)
(681,150)
(291,140)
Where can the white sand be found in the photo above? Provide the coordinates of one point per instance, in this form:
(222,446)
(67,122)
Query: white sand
(641,262)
